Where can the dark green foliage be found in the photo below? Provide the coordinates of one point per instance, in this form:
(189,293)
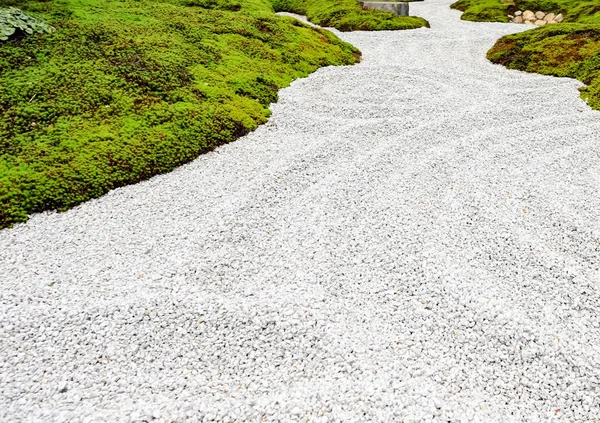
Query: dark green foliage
(15,23)
(347,15)
(124,90)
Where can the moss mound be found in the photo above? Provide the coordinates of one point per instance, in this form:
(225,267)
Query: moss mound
(570,49)
(580,11)
(127,89)
(347,15)
(483,10)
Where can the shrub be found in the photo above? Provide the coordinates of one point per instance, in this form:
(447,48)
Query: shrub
(13,22)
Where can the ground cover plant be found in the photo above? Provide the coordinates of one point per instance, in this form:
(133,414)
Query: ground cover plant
(126,89)
(570,49)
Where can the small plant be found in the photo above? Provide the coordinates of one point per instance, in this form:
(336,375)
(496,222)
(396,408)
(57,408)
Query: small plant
(14,21)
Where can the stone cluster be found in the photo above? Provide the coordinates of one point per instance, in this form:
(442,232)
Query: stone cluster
(535,18)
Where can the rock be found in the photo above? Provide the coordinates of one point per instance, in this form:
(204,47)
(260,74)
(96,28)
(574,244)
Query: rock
(549,17)
(518,19)
(398,8)
(528,15)
(552,22)
(528,22)
(510,17)
(540,15)
(539,22)
(559,18)
(518,13)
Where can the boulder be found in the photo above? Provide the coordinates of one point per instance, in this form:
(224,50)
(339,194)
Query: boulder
(549,17)
(528,15)
(518,19)
(518,13)
(398,8)
(540,22)
(539,15)
(559,18)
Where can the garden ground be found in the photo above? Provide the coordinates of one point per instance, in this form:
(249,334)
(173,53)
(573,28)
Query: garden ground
(411,238)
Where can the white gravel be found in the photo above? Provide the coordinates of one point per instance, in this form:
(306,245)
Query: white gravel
(414,238)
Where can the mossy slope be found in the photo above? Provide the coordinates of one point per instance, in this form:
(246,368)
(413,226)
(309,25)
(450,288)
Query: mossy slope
(580,11)
(483,10)
(347,15)
(126,89)
(570,49)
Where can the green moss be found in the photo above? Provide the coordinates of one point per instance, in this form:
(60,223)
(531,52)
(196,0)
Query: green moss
(127,89)
(124,90)
(570,49)
(580,11)
(347,15)
(483,10)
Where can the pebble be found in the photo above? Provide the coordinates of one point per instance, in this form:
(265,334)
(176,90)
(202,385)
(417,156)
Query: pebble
(538,18)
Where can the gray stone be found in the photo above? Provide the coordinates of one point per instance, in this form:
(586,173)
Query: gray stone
(398,8)
(528,15)
(518,13)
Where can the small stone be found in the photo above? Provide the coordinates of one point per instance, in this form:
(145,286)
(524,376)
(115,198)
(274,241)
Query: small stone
(549,17)
(528,15)
(539,22)
(528,22)
(540,15)
(518,19)
(510,16)
(518,13)
(559,18)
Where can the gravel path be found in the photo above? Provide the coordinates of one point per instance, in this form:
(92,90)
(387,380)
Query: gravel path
(416,237)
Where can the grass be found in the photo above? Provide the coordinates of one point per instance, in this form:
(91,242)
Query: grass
(127,89)
(570,49)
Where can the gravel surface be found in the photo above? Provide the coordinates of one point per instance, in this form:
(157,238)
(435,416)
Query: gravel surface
(413,238)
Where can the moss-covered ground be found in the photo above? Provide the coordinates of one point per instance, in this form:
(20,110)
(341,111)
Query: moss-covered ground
(579,11)
(126,89)
(570,49)
(347,15)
